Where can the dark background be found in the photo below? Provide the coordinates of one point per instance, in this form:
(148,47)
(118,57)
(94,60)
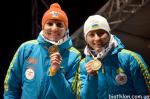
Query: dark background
(16,24)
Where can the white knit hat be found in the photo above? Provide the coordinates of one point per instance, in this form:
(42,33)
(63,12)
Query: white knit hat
(96,22)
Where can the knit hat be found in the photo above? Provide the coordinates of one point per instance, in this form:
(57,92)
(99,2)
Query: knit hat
(55,12)
(95,22)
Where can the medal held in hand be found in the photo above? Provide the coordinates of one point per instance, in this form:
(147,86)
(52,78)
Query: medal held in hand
(53,49)
(96,64)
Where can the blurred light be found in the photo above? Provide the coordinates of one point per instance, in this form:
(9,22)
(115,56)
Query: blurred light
(148,45)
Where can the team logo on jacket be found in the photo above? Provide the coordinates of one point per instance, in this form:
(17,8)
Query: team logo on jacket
(121,78)
(29,73)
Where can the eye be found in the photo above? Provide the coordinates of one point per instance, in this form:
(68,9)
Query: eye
(100,33)
(50,24)
(59,24)
(91,34)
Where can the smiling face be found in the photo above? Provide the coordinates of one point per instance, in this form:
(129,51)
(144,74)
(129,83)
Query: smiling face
(96,39)
(54,30)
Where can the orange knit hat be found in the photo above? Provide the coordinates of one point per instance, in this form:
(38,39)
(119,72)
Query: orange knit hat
(55,12)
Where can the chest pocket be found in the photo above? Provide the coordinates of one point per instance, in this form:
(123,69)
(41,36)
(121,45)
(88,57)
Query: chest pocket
(29,79)
(32,77)
(118,77)
(29,69)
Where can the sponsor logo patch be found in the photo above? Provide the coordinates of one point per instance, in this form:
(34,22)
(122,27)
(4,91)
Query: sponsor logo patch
(29,73)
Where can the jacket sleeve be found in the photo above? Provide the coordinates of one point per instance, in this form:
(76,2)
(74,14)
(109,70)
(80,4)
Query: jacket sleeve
(62,84)
(140,74)
(12,83)
(88,84)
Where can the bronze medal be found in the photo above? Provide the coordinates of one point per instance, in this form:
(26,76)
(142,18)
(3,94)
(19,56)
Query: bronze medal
(53,49)
(96,65)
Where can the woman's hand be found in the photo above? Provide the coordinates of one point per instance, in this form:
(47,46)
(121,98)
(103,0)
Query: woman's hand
(89,69)
(55,62)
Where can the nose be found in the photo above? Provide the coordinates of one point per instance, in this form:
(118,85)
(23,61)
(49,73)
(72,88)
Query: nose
(54,27)
(96,37)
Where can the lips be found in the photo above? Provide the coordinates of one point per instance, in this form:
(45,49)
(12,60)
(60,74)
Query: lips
(97,45)
(55,35)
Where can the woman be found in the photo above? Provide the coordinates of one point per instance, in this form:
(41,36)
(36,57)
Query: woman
(109,70)
(45,68)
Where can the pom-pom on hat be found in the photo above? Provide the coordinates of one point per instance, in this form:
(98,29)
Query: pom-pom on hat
(55,12)
(95,22)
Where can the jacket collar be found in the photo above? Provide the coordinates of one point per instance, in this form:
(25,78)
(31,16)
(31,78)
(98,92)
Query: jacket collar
(113,51)
(65,45)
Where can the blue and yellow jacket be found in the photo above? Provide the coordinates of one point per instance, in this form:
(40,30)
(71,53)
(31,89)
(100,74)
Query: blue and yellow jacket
(106,85)
(28,74)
